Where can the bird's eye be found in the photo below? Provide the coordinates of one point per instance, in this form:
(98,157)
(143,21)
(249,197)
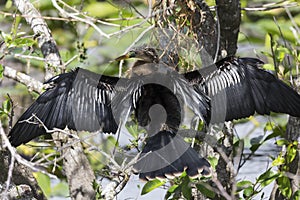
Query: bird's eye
(132,54)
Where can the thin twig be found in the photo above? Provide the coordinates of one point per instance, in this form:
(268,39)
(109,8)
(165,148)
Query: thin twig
(29,57)
(18,158)
(87,21)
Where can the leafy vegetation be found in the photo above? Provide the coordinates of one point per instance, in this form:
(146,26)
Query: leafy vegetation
(272,35)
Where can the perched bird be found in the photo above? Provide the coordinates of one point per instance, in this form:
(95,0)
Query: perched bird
(159,108)
(233,88)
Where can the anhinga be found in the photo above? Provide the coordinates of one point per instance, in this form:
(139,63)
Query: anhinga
(233,88)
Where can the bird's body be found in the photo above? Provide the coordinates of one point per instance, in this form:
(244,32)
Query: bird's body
(233,88)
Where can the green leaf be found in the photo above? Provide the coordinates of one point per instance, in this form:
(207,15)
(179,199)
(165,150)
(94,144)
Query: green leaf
(296,195)
(272,135)
(60,189)
(213,161)
(1,71)
(254,147)
(282,142)
(280,53)
(8,4)
(291,152)
(134,129)
(268,177)
(269,126)
(186,189)
(244,184)
(256,140)
(248,191)
(203,188)
(112,142)
(269,66)
(22,42)
(44,183)
(151,185)
(266,54)
(284,186)
(173,188)
(6,37)
(171,191)
(6,106)
(278,161)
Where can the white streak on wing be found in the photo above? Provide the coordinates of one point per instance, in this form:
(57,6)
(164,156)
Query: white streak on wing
(196,98)
(102,110)
(94,107)
(219,87)
(212,85)
(227,81)
(234,75)
(96,93)
(103,97)
(53,79)
(209,91)
(223,81)
(136,96)
(92,98)
(230,78)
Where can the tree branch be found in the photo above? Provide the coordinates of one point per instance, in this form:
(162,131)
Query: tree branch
(20,171)
(229,19)
(28,81)
(43,34)
(78,171)
(204,25)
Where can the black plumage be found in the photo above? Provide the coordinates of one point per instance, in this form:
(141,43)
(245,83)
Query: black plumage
(79,99)
(239,87)
(233,88)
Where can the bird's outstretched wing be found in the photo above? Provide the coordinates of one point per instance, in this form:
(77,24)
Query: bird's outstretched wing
(79,99)
(238,88)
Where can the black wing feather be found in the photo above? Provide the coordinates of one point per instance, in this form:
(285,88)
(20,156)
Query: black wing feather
(276,95)
(167,155)
(79,99)
(238,88)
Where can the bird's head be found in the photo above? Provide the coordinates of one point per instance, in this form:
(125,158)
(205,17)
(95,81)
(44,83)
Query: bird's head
(147,55)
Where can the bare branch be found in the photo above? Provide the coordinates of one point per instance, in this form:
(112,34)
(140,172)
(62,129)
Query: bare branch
(41,30)
(28,81)
(18,158)
(271,6)
(74,16)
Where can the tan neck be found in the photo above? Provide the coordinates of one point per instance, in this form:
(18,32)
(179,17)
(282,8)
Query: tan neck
(141,68)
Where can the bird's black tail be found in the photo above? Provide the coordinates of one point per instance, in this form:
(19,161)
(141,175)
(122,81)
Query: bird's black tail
(167,155)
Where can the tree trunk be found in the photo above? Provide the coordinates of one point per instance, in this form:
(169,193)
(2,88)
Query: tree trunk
(79,174)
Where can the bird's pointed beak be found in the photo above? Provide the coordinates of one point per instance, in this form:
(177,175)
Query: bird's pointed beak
(125,56)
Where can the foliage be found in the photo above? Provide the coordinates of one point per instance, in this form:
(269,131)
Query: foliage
(1,71)
(59,189)
(151,185)
(80,46)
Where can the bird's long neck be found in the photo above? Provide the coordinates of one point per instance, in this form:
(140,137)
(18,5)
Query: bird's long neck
(142,67)
(139,63)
